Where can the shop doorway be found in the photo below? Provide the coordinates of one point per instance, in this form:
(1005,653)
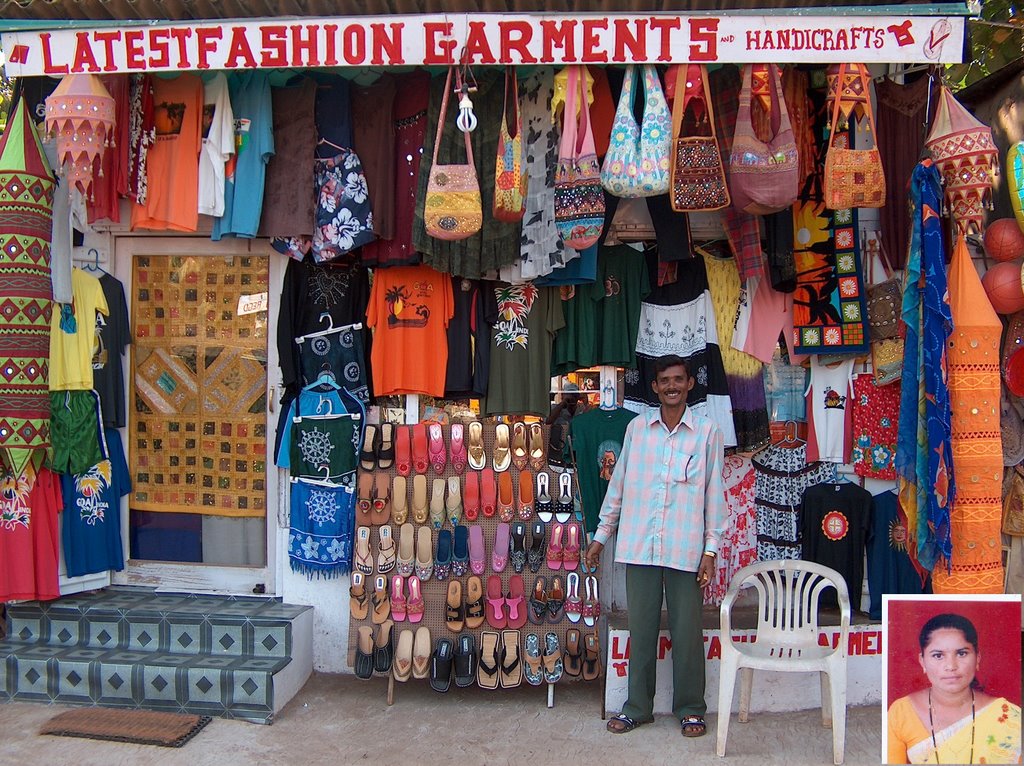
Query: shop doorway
(202,377)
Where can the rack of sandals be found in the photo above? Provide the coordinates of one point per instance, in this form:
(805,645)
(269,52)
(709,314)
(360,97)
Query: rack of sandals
(467,564)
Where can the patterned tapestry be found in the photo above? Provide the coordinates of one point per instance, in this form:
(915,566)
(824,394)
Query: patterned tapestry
(199,386)
(26,210)
(829,312)
(973,358)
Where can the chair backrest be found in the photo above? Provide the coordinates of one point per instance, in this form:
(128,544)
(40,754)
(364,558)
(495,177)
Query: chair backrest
(788,595)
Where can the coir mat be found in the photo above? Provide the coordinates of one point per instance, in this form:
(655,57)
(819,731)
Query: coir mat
(143,727)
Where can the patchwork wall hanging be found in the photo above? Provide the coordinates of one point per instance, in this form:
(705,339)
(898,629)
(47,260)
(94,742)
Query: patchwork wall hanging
(26,211)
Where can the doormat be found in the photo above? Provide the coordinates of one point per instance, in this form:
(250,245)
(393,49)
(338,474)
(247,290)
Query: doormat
(141,727)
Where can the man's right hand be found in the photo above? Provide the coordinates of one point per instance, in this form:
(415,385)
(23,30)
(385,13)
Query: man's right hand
(592,558)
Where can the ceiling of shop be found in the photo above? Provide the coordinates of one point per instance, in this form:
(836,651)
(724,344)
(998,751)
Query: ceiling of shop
(176,10)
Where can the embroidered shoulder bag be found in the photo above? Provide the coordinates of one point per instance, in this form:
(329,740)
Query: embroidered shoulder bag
(763,177)
(452,209)
(853,177)
(697,174)
(884,299)
(637,161)
(509,179)
(579,197)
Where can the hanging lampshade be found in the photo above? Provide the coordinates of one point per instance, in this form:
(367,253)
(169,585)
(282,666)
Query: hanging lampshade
(967,158)
(856,90)
(80,114)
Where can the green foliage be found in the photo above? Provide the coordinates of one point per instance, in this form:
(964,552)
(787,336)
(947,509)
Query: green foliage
(994,40)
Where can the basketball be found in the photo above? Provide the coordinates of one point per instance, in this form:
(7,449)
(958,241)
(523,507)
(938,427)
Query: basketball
(1004,241)
(1003,286)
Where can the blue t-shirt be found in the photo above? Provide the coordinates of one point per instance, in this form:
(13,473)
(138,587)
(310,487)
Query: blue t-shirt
(245,172)
(91,522)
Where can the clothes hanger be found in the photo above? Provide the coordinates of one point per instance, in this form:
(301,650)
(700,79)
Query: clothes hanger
(608,403)
(792,437)
(331,329)
(94,265)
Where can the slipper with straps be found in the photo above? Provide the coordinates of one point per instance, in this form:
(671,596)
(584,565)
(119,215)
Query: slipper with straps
(495,603)
(572,659)
(502,457)
(455,611)
(490,655)
(363,559)
(386,446)
(474,603)
(358,600)
(511,671)
(539,601)
(693,726)
(369,449)
(475,452)
(592,658)
(622,723)
(387,551)
(533,666)
(553,667)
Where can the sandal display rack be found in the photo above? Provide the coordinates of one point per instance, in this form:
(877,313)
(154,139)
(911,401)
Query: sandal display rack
(420,450)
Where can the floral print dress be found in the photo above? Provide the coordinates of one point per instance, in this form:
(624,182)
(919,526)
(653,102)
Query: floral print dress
(344,219)
(738,547)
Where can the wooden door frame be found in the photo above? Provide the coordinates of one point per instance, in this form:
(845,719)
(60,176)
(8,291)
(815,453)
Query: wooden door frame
(193,577)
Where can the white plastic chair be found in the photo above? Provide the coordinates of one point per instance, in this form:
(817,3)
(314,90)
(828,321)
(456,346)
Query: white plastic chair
(787,640)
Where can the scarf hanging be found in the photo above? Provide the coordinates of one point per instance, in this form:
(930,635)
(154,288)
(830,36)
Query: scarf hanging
(320,533)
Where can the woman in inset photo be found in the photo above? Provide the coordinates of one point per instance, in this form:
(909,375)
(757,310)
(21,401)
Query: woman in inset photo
(953,720)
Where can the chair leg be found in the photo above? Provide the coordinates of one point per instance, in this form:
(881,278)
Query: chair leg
(746,687)
(837,682)
(826,700)
(726,684)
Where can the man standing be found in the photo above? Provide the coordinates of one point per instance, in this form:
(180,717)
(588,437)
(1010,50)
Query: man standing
(666,499)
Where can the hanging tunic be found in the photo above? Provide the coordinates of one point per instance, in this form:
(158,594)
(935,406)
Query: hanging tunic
(976,562)
(829,406)
(738,546)
(782,475)
(744,374)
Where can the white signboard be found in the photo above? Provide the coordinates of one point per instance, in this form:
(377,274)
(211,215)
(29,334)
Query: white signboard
(772,692)
(483,39)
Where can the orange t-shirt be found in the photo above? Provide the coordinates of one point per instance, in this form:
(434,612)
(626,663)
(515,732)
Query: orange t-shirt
(409,310)
(172,200)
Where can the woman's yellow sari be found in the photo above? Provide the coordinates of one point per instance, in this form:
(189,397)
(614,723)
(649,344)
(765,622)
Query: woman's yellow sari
(996,734)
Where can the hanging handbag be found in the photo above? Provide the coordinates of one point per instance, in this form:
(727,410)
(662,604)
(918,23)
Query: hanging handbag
(509,179)
(763,177)
(579,197)
(697,174)
(853,177)
(452,209)
(885,299)
(637,161)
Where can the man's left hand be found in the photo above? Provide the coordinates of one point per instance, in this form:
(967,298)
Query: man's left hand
(705,571)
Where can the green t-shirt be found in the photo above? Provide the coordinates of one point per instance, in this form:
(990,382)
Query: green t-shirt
(597,439)
(520,380)
(603,318)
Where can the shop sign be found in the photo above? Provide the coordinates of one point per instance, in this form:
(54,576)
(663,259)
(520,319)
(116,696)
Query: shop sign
(484,39)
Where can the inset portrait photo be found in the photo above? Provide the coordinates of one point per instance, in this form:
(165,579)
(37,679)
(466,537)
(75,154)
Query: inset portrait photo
(951,679)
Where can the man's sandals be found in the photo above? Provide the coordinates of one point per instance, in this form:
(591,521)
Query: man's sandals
(691,725)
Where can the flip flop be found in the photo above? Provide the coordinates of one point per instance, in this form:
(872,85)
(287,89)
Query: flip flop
(477,552)
(517,552)
(380,600)
(511,671)
(554,557)
(495,603)
(476,453)
(502,457)
(573,604)
(525,495)
(572,659)
(490,656)
(386,446)
(556,600)
(515,603)
(533,666)
(403,451)
(457,448)
(358,601)
(435,448)
(622,724)
(387,552)
(471,502)
(414,604)
(420,509)
(553,667)
(424,553)
(543,502)
(535,554)
(537,456)
(406,561)
(520,458)
(421,653)
(419,448)
(381,513)
(364,653)
(437,503)
(362,559)
(506,498)
(487,493)
(364,496)
(368,449)
(475,613)
(538,601)
(499,554)
(453,503)
(591,657)
(399,500)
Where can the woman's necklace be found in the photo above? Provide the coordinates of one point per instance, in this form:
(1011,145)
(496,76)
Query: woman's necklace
(931,725)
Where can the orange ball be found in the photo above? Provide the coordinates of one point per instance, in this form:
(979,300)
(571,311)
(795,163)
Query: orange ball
(1004,241)
(1003,285)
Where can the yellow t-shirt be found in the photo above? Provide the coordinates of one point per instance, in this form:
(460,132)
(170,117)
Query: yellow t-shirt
(71,352)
